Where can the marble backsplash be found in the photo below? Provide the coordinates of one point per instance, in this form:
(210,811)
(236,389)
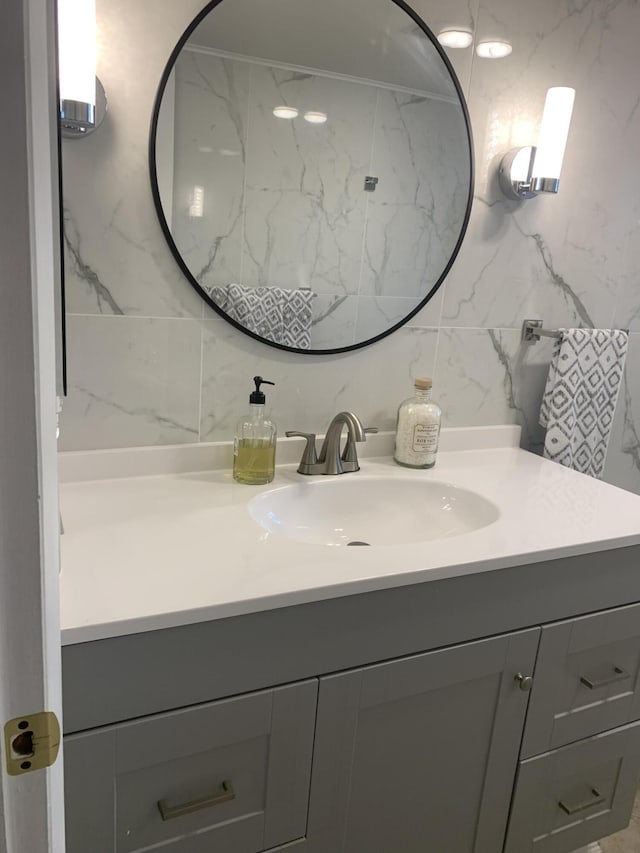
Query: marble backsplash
(150,363)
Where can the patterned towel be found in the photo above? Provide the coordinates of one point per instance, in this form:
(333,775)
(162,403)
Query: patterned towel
(580,397)
(279,315)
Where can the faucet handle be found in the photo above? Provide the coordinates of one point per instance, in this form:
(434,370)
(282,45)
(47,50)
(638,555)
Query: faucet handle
(309,456)
(371,430)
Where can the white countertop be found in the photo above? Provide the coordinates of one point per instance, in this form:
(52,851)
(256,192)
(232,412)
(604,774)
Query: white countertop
(149,552)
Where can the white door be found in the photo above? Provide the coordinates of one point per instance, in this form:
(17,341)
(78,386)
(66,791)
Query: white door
(31,805)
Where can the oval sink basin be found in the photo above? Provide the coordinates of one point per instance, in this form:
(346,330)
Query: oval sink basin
(356,510)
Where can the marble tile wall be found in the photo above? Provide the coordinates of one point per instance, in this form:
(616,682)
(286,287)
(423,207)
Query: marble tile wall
(149,363)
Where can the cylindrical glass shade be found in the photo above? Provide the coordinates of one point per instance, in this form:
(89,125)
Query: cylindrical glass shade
(77,50)
(554,130)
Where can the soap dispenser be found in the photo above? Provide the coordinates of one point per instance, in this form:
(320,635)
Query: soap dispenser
(254,445)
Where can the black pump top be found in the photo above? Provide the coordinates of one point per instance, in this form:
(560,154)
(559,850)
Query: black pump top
(257,397)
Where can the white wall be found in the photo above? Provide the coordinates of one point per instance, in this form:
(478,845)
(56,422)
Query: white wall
(150,363)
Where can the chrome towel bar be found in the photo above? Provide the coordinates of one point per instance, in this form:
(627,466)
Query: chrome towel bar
(532,331)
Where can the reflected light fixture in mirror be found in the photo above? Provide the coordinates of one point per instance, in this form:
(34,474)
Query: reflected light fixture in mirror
(525,172)
(455,39)
(82,98)
(285,112)
(315,117)
(493,49)
(196,208)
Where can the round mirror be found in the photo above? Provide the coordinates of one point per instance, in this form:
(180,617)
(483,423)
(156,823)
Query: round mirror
(312,167)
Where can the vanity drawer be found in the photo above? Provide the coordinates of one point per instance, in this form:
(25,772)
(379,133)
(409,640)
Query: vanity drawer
(575,795)
(230,775)
(587,679)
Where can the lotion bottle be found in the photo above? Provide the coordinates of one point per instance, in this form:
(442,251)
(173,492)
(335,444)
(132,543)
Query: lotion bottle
(254,445)
(418,428)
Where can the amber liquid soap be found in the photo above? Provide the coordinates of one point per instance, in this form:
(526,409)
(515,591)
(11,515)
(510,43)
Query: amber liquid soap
(254,461)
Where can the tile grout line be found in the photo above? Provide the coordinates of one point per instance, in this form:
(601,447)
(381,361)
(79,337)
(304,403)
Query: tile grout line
(409,325)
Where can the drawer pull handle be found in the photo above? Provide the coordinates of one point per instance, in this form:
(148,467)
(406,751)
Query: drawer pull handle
(619,675)
(587,804)
(169,812)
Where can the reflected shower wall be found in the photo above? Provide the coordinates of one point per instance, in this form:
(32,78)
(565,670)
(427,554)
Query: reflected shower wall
(268,201)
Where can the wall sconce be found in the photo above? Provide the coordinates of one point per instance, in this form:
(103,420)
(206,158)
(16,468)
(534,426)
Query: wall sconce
(83,103)
(525,172)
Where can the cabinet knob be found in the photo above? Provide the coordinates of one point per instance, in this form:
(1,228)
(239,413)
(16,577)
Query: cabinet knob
(525,682)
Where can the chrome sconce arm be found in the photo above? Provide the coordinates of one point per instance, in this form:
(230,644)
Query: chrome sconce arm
(518,183)
(83,103)
(526,172)
(78,118)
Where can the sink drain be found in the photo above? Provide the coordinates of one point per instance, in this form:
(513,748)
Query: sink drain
(356,542)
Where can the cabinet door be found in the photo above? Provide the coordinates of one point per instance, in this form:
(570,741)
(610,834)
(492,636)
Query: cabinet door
(420,754)
(587,679)
(230,776)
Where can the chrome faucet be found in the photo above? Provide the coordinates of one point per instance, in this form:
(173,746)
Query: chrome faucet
(331,460)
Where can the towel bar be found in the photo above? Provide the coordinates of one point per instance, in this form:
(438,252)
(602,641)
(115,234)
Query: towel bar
(532,331)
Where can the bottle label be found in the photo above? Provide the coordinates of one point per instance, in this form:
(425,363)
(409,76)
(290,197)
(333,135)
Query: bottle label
(425,438)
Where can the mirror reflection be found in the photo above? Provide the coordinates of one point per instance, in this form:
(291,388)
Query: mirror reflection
(312,167)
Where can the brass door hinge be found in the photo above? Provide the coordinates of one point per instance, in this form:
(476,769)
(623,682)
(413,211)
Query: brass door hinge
(31,742)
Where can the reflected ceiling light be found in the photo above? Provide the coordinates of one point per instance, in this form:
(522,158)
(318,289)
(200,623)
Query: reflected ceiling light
(196,208)
(82,99)
(285,112)
(455,38)
(229,152)
(315,117)
(525,172)
(493,49)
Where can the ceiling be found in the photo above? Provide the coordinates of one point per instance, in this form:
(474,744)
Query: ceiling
(369,39)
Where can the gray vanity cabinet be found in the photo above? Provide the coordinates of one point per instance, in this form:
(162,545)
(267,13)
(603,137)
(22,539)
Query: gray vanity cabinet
(420,753)
(231,776)
(355,725)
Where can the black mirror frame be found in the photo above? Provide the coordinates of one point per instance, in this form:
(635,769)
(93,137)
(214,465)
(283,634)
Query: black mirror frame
(176,253)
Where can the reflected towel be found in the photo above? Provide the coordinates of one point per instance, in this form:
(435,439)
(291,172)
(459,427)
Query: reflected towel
(580,397)
(275,313)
